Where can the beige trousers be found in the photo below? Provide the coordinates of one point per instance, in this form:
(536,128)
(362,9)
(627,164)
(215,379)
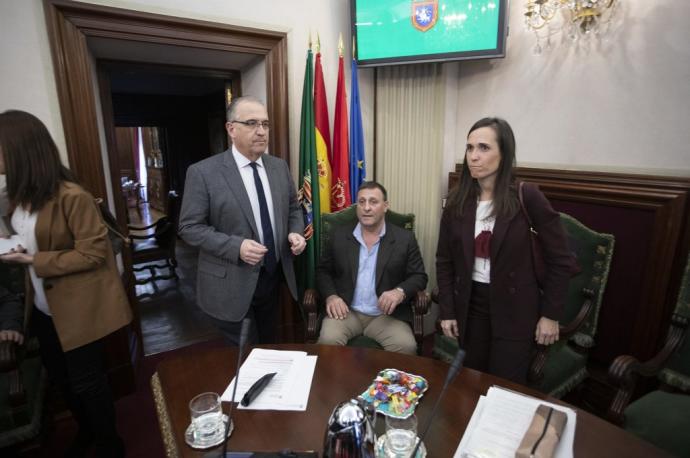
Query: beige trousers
(392,334)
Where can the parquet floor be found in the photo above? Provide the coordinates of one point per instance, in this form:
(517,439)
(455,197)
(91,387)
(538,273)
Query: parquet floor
(170,318)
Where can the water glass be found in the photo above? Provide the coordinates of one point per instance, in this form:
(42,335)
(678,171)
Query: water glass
(207,418)
(401,436)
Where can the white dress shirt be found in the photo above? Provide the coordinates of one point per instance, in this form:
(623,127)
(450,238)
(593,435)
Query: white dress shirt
(24,224)
(247,174)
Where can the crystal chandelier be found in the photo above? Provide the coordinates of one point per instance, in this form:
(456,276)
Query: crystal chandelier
(582,18)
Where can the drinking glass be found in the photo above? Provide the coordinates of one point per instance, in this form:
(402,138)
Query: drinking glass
(207,418)
(401,436)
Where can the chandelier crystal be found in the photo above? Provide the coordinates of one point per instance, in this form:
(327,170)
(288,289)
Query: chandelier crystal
(581,19)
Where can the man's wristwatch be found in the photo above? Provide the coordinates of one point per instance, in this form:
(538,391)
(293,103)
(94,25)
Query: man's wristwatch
(402,291)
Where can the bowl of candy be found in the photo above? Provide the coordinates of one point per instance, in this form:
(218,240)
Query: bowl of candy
(395,393)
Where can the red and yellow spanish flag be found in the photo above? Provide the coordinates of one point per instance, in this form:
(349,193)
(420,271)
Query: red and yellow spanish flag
(323,135)
(340,190)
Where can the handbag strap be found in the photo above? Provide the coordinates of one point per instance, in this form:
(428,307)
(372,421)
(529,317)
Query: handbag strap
(524,209)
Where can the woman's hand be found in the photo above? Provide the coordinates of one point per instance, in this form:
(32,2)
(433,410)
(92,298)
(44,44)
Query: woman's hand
(546,332)
(17,256)
(450,328)
(12,336)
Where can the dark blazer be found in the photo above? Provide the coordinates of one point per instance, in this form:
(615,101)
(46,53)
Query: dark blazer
(515,300)
(398,264)
(216,216)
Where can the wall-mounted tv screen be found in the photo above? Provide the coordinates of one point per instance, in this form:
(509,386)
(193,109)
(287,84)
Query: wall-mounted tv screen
(405,31)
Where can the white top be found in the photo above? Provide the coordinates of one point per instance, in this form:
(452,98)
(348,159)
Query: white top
(24,224)
(483,222)
(243,164)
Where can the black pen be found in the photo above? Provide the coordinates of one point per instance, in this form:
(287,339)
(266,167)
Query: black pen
(256,389)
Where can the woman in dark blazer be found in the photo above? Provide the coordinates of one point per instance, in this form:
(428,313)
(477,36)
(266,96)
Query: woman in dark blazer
(488,292)
(73,283)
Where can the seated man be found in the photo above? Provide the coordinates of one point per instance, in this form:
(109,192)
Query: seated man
(11,317)
(368,273)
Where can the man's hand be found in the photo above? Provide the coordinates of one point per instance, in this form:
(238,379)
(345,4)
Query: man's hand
(450,328)
(17,256)
(336,308)
(546,332)
(252,252)
(389,300)
(12,336)
(297,243)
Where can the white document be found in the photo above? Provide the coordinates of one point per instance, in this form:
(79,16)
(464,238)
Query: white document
(8,244)
(500,421)
(289,388)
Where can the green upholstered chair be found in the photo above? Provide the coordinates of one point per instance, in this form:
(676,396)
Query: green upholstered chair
(312,305)
(560,367)
(23,380)
(661,417)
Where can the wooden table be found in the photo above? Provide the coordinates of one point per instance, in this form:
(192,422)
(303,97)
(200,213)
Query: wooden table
(343,373)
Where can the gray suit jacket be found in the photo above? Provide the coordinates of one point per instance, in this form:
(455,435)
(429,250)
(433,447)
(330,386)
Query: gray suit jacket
(216,216)
(398,264)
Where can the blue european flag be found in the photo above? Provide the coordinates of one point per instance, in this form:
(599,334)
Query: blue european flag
(357,164)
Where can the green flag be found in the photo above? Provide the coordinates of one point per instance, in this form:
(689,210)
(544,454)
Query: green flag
(308,184)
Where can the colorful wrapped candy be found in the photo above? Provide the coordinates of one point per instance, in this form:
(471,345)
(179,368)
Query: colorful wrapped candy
(395,393)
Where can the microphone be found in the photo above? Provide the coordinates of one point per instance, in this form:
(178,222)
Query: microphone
(244,336)
(453,371)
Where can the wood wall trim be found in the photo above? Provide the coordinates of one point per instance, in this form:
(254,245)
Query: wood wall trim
(666,203)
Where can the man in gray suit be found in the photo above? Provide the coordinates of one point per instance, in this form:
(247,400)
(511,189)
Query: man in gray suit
(368,273)
(240,209)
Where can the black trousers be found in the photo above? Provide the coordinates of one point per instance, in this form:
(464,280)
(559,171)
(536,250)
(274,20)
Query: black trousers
(81,377)
(262,312)
(509,359)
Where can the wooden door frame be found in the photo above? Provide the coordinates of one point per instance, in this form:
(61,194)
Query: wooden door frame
(71,23)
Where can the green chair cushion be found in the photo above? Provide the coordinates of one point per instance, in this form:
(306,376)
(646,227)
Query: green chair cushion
(363,341)
(561,374)
(564,372)
(445,348)
(663,419)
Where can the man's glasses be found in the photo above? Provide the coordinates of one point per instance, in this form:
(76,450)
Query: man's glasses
(255,123)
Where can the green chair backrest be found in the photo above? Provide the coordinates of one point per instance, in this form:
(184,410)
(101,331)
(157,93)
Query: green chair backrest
(594,251)
(677,370)
(349,216)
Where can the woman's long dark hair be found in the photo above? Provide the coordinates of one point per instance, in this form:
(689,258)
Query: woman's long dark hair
(32,162)
(505,201)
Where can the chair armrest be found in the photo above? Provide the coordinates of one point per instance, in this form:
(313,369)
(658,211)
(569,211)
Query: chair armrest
(536,369)
(568,330)
(311,311)
(626,369)
(8,356)
(420,307)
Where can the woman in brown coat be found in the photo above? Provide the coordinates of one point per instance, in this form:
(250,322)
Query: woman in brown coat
(73,283)
(488,291)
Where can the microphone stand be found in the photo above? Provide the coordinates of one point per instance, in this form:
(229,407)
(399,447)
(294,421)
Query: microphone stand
(244,336)
(455,367)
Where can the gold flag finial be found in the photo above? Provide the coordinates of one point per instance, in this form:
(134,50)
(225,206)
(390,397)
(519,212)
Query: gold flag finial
(340,45)
(318,42)
(354,46)
(309,42)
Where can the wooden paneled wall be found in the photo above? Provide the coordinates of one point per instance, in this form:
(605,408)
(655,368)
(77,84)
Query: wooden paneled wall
(650,218)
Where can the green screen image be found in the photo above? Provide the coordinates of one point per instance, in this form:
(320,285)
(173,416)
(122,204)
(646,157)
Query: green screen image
(386,28)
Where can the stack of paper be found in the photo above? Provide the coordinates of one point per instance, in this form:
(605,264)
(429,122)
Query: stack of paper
(288,390)
(7,244)
(499,422)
